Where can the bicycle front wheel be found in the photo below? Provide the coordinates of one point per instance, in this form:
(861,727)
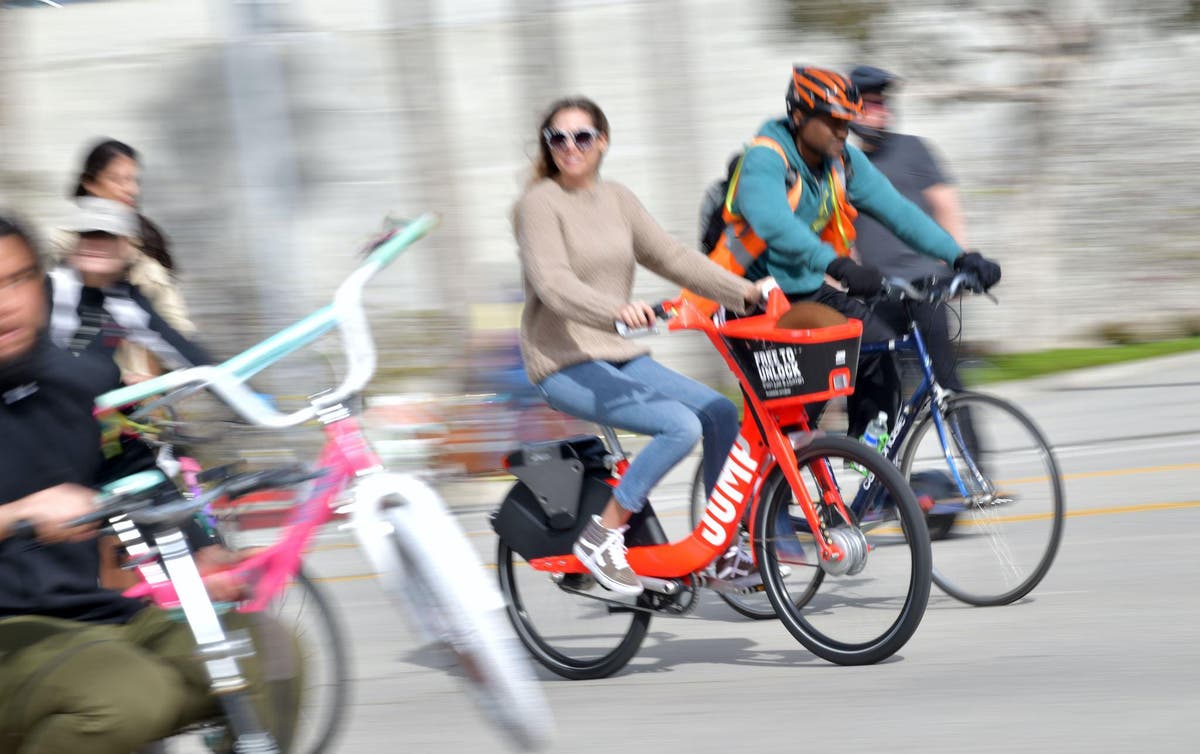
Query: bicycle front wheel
(1008,512)
(428,564)
(870,602)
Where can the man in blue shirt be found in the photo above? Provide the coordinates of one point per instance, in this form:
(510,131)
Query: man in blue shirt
(838,180)
(911,167)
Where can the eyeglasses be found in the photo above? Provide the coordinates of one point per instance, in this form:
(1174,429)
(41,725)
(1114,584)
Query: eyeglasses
(27,275)
(583,139)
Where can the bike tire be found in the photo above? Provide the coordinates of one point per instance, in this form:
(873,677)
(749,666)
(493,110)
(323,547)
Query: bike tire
(325,695)
(431,568)
(320,719)
(899,561)
(755,606)
(569,655)
(1016,451)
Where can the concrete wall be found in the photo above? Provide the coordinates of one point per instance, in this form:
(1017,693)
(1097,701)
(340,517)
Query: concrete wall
(1070,131)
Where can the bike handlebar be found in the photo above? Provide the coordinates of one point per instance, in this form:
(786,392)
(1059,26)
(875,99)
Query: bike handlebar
(773,301)
(134,496)
(227,380)
(933,290)
(660,313)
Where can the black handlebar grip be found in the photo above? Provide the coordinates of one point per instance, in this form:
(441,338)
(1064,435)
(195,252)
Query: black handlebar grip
(95,517)
(22,529)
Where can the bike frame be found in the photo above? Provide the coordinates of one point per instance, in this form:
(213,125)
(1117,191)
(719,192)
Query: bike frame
(345,457)
(761,443)
(930,392)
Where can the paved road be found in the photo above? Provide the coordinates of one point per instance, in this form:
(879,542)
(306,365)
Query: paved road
(1103,657)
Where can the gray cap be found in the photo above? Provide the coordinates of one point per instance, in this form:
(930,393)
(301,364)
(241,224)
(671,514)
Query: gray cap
(106,215)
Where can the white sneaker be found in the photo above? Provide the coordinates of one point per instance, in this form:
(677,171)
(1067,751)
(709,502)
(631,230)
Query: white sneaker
(602,551)
(737,567)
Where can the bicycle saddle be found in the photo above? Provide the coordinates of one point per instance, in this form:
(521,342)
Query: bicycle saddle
(809,315)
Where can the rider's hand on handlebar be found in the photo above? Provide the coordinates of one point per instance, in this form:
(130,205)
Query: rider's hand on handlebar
(53,508)
(762,287)
(859,279)
(636,315)
(984,269)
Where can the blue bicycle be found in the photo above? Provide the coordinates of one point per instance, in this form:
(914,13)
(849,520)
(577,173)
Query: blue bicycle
(982,470)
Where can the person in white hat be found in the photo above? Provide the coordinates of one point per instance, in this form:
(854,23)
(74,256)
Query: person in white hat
(95,307)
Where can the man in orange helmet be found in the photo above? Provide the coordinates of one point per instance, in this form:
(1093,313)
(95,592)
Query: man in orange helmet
(799,239)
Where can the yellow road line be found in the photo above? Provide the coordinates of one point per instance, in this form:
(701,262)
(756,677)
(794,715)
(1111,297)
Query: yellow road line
(1141,508)
(1133,508)
(1006,519)
(351,577)
(1110,473)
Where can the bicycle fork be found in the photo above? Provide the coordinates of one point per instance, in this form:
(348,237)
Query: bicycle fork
(218,651)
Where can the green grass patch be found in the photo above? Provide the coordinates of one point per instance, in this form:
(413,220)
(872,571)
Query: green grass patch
(1019,366)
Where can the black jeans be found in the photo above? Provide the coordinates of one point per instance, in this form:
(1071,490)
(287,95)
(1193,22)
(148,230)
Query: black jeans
(935,330)
(877,385)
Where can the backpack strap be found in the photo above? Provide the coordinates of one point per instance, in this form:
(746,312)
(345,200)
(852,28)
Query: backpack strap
(794,186)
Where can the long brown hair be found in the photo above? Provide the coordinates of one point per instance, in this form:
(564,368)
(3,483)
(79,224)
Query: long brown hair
(154,243)
(543,165)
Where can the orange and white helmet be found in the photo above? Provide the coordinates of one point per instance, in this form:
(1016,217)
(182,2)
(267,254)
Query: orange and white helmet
(820,90)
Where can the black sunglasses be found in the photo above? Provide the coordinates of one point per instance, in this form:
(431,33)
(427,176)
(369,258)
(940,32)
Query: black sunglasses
(583,139)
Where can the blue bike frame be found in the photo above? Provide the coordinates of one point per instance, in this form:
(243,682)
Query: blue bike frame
(930,390)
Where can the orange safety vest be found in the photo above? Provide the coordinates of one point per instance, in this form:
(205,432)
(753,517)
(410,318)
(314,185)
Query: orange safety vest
(739,245)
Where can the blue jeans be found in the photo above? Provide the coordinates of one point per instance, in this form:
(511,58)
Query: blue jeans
(645,397)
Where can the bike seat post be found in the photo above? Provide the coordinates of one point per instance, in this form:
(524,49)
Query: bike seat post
(614,444)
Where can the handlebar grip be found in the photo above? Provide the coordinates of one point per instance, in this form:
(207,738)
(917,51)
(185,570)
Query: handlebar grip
(22,529)
(100,514)
(625,331)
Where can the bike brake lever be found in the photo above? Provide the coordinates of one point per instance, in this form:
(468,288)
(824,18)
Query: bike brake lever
(898,289)
(285,476)
(177,511)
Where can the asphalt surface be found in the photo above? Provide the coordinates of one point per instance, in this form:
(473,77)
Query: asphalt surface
(1103,657)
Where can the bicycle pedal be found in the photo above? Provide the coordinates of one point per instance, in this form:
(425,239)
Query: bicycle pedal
(580,582)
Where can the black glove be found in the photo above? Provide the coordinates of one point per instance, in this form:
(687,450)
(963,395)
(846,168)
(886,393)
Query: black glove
(859,279)
(984,269)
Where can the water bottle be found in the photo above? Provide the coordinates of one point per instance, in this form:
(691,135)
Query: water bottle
(875,436)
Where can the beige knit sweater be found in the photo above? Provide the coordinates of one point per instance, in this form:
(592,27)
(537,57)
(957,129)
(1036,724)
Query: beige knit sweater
(579,250)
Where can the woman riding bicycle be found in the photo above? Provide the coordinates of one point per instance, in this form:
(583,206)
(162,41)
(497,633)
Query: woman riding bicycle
(580,239)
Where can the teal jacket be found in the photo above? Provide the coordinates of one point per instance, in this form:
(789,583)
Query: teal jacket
(795,256)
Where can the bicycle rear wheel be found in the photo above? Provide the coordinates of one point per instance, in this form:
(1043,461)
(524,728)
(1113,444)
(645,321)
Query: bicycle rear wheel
(1008,525)
(569,623)
(868,605)
(427,563)
(803,582)
(302,613)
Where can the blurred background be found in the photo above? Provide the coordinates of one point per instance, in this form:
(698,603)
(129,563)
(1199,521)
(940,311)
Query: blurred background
(275,135)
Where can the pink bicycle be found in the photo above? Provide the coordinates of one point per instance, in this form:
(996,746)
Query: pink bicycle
(422,557)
